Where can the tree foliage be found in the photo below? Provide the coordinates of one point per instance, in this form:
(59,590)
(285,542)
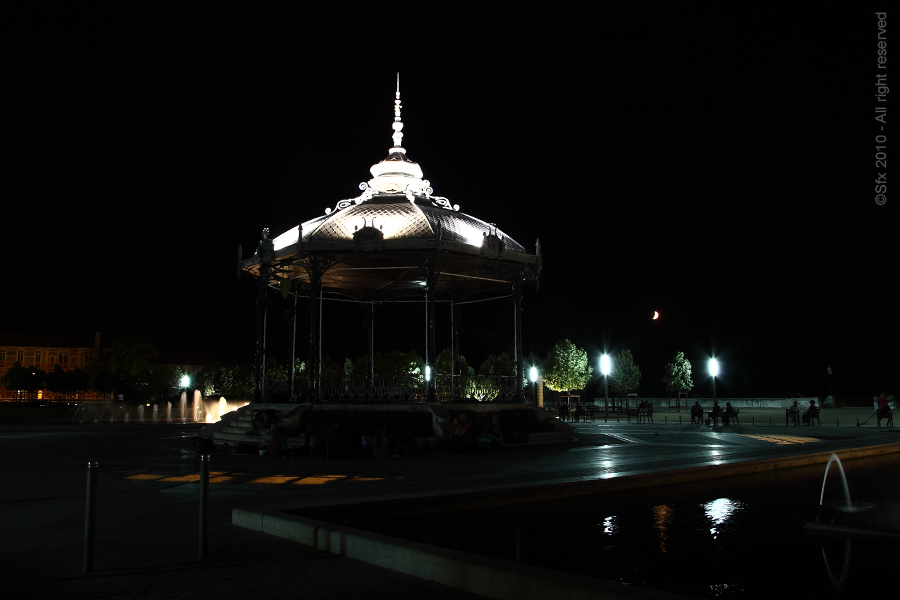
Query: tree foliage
(677,374)
(28,379)
(498,365)
(566,367)
(15,378)
(625,375)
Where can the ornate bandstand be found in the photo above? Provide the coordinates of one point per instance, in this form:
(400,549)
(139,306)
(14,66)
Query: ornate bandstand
(396,242)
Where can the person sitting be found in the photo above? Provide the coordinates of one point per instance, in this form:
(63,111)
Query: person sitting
(277,442)
(730,413)
(263,421)
(716,413)
(697,413)
(793,413)
(811,413)
(884,410)
(578,412)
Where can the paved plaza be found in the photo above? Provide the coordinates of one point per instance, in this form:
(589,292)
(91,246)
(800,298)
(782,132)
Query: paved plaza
(147,506)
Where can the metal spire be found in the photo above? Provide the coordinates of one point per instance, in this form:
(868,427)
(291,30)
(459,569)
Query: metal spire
(398,124)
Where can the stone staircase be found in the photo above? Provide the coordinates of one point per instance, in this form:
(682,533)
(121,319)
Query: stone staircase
(236,427)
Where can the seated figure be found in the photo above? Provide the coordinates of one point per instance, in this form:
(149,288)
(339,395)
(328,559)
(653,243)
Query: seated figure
(729,415)
(716,412)
(811,412)
(793,413)
(697,413)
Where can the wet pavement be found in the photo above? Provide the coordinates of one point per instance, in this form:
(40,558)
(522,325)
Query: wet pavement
(148,500)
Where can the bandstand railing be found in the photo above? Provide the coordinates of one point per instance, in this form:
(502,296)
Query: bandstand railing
(412,388)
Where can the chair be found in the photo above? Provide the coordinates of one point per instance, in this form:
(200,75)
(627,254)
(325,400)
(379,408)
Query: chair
(790,415)
(735,416)
(810,415)
(645,413)
(714,417)
(696,416)
(889,415)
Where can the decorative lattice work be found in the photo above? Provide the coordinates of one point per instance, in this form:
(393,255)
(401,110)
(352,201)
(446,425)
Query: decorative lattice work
(396,220)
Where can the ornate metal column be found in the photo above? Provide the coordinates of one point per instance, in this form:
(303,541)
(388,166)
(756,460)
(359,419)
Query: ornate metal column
(315,305)
(455,316)
(517,307)
(292,348)
(266,251)
(369,321)
(431,275)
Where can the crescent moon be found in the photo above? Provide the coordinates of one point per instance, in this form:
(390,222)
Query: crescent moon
(655,315)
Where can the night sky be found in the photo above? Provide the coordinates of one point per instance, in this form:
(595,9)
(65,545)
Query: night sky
(717,166)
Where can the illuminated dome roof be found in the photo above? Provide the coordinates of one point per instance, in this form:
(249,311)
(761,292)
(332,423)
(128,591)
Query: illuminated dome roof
(399,203)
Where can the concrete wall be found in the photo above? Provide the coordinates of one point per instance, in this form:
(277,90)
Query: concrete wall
(707,403)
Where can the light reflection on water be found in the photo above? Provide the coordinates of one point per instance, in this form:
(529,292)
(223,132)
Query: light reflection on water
(719,511)
(737,533)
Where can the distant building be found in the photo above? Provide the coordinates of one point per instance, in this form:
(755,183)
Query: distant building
(45,351)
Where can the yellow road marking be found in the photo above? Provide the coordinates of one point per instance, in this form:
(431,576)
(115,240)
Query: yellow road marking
(781,439)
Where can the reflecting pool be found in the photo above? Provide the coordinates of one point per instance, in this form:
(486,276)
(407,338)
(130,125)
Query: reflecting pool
(741,537)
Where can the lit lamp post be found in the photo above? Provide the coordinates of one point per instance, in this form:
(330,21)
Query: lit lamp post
(533,374)
(604,368)
(714,370)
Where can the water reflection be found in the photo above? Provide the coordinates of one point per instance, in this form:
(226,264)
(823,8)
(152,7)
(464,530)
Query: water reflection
(662,519)
(610,524)
(719,511)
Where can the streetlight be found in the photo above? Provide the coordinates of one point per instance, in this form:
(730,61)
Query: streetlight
(605,369)
(533,374)
(714,370)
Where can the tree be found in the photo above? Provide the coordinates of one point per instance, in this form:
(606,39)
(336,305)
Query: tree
(566,367)
(444,366)
(16,378)
(677,375)
(625,375)
(58,382)
(80,380)
(131,367)
(497,365)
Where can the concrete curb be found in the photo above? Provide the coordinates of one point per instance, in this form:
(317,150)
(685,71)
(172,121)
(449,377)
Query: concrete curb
(486,576)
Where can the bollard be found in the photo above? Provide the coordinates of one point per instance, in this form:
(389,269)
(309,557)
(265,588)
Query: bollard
(838,422)
(770,420)
(666,417)
(204,503)
(679,419)
(617,417)
(90,513)
(753,420)
(857,421)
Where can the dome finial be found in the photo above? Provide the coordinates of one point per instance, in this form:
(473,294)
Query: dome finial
(398,124)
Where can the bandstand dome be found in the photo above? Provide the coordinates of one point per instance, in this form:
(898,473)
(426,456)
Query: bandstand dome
(375,242)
